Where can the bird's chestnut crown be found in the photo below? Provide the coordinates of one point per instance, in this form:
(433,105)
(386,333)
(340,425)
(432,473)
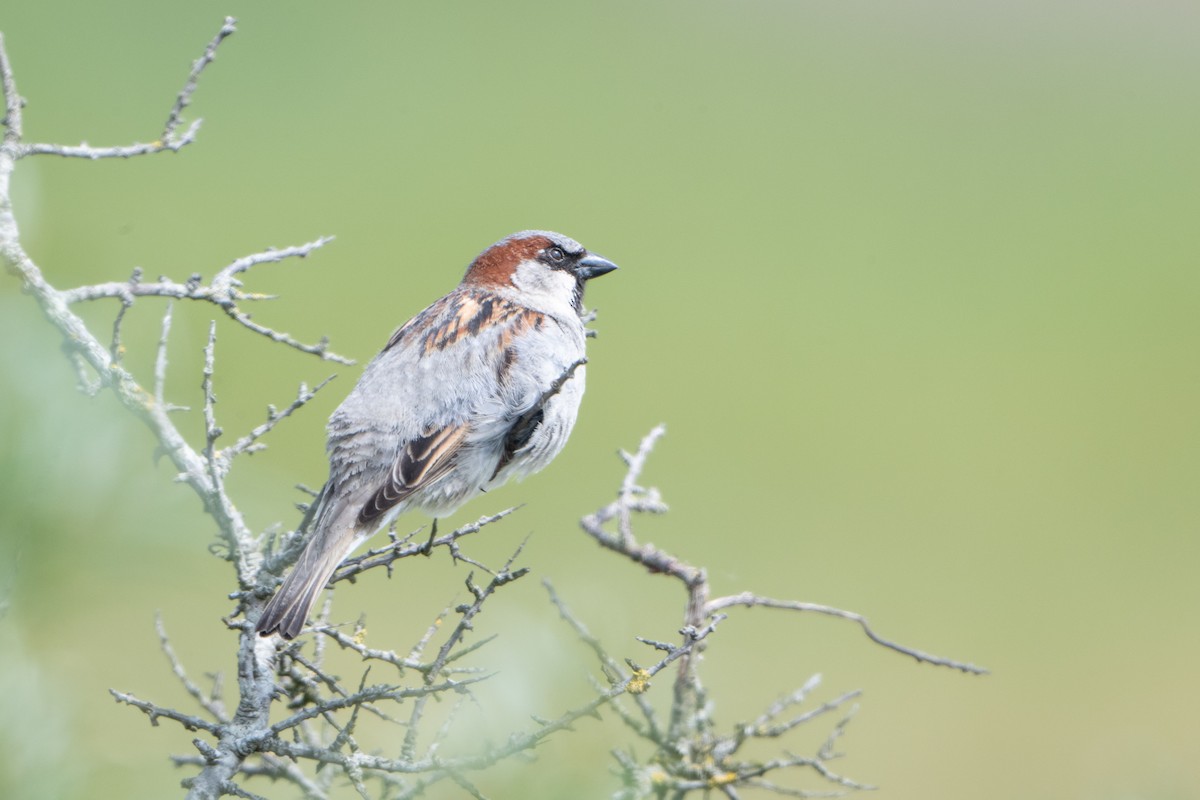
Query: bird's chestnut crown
(496,265)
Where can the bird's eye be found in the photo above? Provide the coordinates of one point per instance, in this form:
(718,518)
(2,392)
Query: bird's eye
(556,255)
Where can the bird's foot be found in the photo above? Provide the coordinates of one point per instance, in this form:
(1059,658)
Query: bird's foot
(427,548)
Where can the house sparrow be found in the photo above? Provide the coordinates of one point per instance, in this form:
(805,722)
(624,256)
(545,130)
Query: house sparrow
(482,386)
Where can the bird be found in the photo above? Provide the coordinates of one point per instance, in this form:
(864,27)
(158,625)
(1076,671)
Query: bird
(481,387)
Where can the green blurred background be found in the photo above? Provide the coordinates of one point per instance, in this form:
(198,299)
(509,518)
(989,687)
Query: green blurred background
(914,286)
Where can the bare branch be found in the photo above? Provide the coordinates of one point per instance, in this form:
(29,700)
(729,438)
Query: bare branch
(691,756)
(503,577)
(116,348)
(634,498)
(225,284)
(12,103)
(224,292)
(192,723)
(649,729)
(373,694)
(84,348)
(404,548)
(763,729)
(169,140)
(637,462)
(160,360)
(249,443)
(226,281)
(87,151)
(242,549)
(517,743)
(401,663)
(189,88)
(750,600)
(210,703)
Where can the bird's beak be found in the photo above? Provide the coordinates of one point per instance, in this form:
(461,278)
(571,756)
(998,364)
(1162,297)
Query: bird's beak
(593,266)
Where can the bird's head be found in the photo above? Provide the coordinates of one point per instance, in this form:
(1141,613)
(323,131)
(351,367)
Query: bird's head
(544,268)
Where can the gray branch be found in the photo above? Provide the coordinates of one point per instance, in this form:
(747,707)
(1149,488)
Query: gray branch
(225,292)
(689,754)
(202,469)
(170,139)
(750,600)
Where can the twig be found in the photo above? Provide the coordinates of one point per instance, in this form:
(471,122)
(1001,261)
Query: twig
(209,703)
(633,498)
(160,361)
(169,140)
(201,468)
(690,755)
(13,129)
(242,549)
(503,577)
(750,600)
(637,462)
(373,694)
(249,443)
(189,721)
(650,729)
(116,348)
(385,556)
(390,656)
(225,292)
(185,96)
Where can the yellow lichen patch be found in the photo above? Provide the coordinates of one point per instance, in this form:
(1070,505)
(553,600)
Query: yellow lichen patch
(722,779)
(638,682)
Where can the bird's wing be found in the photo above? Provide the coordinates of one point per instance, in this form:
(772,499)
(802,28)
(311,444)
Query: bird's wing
(421,462)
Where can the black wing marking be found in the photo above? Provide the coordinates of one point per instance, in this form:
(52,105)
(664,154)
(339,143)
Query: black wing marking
(523,428)
(520,434)
(421,462)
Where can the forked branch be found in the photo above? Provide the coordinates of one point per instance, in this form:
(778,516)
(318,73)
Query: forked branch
(689,754)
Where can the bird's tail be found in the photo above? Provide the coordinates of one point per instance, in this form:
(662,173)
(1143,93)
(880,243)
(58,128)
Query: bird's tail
(331,541)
